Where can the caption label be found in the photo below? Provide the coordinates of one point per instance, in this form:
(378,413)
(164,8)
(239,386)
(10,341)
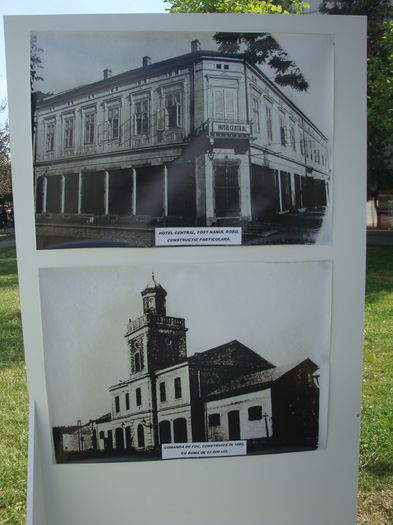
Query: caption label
(210,449)
(198,236)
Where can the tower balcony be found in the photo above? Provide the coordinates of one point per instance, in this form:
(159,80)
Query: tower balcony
(156,320)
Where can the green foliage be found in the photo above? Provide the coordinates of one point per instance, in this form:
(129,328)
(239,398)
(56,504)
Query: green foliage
(258,48)
(376,446)
(35,61)
(380,110)
(376,451)
(5,165)
(377,11)
(237,6)
(13,397)
(380,93)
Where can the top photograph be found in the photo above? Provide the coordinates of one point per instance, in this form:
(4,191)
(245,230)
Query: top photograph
(136,133)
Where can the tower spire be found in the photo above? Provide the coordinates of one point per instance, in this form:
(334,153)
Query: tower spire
(154,298)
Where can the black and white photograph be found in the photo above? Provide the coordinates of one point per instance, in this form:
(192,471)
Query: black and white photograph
(136,358)
(136,131)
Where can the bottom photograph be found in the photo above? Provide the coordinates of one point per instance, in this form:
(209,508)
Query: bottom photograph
(137,358)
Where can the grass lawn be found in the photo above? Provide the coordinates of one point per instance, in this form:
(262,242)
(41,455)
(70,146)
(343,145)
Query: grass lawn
(376,451)
(7,236)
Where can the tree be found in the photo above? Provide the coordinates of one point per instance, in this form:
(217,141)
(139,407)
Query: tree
(5,164)
(237,6)
(258,48)
(377,12)
(380,113)
(262,48)
(379,84)
(35,62)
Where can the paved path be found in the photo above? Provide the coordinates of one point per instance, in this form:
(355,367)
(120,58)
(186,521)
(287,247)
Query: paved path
(6,244)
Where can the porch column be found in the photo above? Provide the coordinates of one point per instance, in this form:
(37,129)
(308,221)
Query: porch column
(293,190)
(279,188)
(133,204)
(165,170)
(44,194)
(80,183)
(209,188)
(106,193)
(62,193)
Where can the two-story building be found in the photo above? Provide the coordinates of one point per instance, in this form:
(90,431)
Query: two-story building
(197,139)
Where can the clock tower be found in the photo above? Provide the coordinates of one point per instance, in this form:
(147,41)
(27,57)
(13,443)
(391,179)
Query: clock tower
(155,340)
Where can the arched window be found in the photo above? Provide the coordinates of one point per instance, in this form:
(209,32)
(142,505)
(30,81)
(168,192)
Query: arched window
(141,436)
(165,432)
(137,362)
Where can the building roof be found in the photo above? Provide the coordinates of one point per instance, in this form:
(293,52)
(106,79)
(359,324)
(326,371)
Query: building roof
(258,380)
(216,352)
(161,67)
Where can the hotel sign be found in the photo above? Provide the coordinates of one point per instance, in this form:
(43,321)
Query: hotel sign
(230,128)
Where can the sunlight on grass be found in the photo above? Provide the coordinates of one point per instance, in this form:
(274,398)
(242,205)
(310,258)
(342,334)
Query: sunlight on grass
(376,450)
(13,398)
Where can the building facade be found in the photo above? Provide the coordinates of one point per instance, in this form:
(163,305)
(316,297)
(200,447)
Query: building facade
(226,393)
(197,139)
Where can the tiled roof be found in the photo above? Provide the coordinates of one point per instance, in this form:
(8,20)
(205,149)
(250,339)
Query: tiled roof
(262,379)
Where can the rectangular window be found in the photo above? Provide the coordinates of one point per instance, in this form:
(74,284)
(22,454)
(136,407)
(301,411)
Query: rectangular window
(269,127)
(224,104)
(173,111)
(177,387)
(255,413)
(102,434)
(127,401)
(138,395)
(282,132)
(292,137)
(90,119)
(68,132)
(113,123)
(301,146)
(141,117)
(117,404)
(50,136)
(162,392)
(214,420)
(255,115)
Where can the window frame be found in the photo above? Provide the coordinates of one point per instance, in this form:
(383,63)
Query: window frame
(141,117)
(68,131)
(255,413)
(114,122)
(269,120)
(256,115)
(50,130)
(212,418)
(90,127)
(138,396)
(177,387)
(162,392)
(223,113)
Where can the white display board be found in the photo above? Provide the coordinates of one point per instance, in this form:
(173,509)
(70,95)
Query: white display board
(273,310)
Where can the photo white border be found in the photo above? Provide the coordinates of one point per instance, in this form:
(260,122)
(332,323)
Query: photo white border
(313,488)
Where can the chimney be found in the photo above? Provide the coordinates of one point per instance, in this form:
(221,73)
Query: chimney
(146,61)
(195,46)
(107,73)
